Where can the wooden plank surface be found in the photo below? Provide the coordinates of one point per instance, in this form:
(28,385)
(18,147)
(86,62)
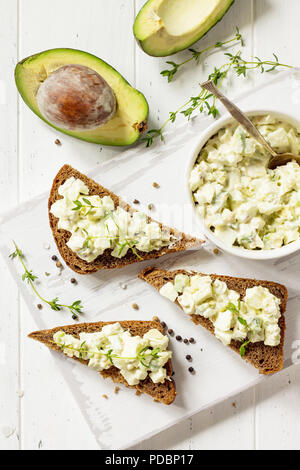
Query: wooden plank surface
(277,400)
(81,25)
(46,416)
(9,302)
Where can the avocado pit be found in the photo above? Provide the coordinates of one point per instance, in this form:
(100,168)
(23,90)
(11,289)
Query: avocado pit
(75,97)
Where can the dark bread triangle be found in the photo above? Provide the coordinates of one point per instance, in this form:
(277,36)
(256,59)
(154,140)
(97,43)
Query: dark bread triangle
(267,359)
(165,393)
(105,261)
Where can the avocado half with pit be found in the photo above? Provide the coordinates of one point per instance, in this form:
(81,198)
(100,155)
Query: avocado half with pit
(164,27)
(81,95)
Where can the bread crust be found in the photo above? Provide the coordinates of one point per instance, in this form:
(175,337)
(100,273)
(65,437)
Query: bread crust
(105,261)
(164,393)
(267,359)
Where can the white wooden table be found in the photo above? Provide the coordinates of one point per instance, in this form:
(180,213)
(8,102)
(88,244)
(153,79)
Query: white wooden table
(36,409)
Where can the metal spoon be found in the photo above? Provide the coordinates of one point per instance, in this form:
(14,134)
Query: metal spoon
(278,159)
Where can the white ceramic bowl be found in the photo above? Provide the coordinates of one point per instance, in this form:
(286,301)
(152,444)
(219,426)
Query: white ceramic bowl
(234,250)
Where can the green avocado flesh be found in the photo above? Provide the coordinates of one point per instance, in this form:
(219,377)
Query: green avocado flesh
(164,27)
(130,119)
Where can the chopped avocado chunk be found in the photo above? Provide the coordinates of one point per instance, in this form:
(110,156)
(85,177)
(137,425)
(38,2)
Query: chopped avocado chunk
(164,27)
(130,118)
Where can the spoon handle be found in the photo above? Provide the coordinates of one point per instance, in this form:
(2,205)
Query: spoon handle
(239,116)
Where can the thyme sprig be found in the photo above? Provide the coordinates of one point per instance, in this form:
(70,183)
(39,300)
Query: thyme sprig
(197,55)
(205,101)
(75,308)
(144,354)
(241,66)
(78,205)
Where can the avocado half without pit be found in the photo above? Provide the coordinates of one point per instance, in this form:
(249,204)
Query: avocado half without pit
(164,27)
(81,95)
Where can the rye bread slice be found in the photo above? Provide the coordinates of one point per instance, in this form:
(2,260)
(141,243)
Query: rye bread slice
(165,392)
(267,359)
(105,261)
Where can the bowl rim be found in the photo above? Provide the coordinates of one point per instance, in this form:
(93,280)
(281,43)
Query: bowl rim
(194,153)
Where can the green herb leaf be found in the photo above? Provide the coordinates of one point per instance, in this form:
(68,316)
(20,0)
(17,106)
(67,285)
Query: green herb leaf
(243,348)
(111,356)
(16,253)
(155,352)
(243,322)
(76,308)
(122,246)
(169,73)
(152,134)
(29,276)
(232,308)
(197,54)
(85,244)
(87,201)
(81,350)
(78,206)
(173,117)
(54,304)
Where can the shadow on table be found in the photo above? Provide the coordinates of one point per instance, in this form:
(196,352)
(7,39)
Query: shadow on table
(199,432)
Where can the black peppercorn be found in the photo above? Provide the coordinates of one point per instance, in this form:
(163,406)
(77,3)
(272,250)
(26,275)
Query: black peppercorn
(188,357)
(54,258)
(191,370)
(179,338)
